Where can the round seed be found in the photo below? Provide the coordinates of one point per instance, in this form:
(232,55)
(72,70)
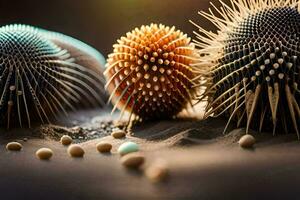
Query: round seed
(14,146)
(66,140)
(44,153)
(118,134)
(247,141)
(75,150)
(128,147)
(133,160)
(103,147)
(157,172)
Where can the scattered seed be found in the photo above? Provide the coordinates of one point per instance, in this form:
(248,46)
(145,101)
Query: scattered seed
(75,150)
(14,146)
(104,147)
(158,171)
(128,147)
(44,153)
(118,134)
(133,160)
(66,140)
(247,141)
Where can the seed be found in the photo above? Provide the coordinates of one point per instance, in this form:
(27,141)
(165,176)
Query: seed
(66,140)
(247,141)
(133,160)
(127,147)
(158,171)
(75,150)
(14,146)
(104,147)
(44,153)
(118,134)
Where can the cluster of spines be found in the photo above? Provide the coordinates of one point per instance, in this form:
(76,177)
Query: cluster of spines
(39,79)
(150,72)
(252,62)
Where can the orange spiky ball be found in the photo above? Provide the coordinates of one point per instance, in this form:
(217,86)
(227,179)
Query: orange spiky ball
(150,73)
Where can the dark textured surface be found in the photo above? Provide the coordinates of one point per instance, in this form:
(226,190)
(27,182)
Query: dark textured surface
(204,172)
(271,171)
(203,164)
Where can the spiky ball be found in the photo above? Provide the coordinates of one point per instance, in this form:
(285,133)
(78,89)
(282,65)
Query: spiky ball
(43,74)
(255,58)
(150,72)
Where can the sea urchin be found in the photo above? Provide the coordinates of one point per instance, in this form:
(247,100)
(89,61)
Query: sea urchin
(43,74)
(150,72)
(254,62)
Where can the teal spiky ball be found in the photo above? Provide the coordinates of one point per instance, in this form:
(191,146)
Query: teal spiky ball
(43,74)
(254,64)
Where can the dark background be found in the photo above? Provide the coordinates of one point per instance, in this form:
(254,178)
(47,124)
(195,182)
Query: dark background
(101,22)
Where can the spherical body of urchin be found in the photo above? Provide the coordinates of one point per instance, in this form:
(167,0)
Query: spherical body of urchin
(150,72)
(254,73)
(43,74)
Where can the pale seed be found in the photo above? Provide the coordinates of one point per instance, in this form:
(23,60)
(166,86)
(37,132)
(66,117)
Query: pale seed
(118,134)
(75,150)
(104,147)
(157,171)
(44,153)
(14,146)
(128,147)
(66,140)
(247,141)
(133,160)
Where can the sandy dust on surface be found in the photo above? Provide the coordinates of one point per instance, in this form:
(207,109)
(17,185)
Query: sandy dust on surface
(203,162)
